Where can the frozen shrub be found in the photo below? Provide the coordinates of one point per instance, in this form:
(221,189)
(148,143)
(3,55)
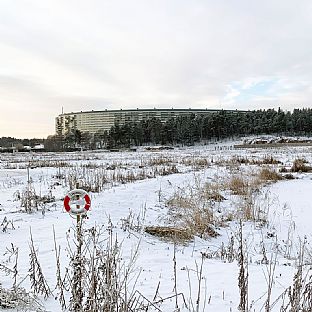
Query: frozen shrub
(6,224)
(19,299)
(30,201)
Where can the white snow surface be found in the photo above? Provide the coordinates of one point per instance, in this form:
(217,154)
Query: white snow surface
(288,201)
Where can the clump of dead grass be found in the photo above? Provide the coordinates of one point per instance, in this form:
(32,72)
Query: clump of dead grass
(191,209)
(196,162)
(158,161)
(269,160)
(201,163)
(268,174)
(211,192)
(238,185)
(300,165)
(170,233)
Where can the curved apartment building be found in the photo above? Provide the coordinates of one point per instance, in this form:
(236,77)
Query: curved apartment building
(94,121)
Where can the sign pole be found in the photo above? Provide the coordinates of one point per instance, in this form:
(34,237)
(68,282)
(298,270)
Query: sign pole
(77,203)
(77,206)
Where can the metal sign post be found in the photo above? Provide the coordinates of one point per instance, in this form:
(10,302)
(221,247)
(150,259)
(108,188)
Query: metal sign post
(77,203)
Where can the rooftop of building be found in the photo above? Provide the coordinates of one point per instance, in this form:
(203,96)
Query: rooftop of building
(152,110)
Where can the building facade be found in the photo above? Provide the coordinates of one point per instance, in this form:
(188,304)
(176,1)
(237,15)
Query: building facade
(95,121)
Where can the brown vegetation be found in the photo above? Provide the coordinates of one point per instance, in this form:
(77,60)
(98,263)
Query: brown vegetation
(300,165)
(268,174)
(171,233)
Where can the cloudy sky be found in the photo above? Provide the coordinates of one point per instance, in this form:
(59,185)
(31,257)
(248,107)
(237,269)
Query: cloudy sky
(111,54)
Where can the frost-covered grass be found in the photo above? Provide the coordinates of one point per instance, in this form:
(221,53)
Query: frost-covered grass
(199,189)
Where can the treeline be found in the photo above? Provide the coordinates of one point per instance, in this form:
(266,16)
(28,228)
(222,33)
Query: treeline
(224,124)
(187,130)
(183,130)
(8,142)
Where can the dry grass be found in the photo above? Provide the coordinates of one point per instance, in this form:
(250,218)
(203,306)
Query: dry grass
(196,162)
(266,160)
(300,165)
(158,161)
(190,210)
(180,200)
(201,163)
(96,178)
(238,185)
(200,223)
(268,174)
(269,160)
(211,192)
(166,170)
(169,233)
(194,208)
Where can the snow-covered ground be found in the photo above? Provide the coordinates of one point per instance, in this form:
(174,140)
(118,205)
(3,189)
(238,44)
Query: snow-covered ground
(146,181)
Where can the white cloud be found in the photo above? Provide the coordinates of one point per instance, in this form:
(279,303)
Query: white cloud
(110,54)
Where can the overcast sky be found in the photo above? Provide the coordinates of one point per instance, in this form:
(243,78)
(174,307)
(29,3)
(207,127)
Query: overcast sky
(111,54)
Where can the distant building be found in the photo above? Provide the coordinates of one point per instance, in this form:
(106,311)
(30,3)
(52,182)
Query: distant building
(94,121)
(38,147)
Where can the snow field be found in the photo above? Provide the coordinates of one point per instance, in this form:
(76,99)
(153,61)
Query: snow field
(287,203)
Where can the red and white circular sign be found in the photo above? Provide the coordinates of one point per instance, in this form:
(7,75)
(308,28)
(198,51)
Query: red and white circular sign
(77,202)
